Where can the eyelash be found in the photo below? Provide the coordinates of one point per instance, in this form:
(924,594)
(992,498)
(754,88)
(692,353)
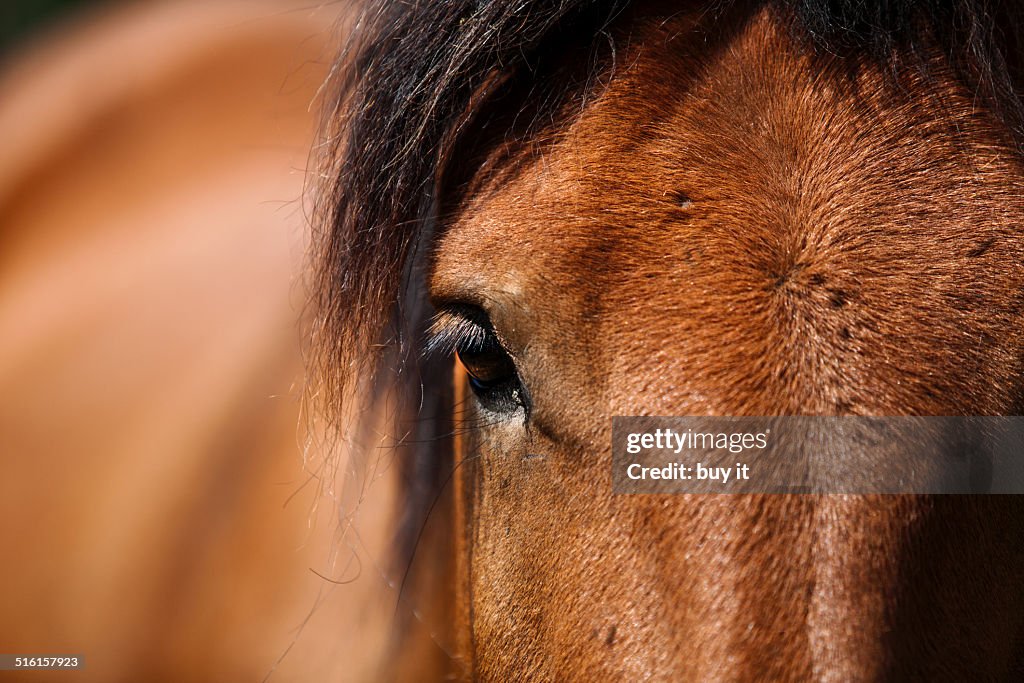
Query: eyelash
(466,331)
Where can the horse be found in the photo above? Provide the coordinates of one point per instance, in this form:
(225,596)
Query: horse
(534,216)
(162,512)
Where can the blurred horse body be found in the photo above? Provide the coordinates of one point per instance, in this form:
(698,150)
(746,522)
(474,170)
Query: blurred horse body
(155,515)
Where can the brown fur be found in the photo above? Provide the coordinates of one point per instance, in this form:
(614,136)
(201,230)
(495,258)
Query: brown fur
(156,512)
(737,227)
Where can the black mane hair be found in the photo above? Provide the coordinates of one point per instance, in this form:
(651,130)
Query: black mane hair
(410,80)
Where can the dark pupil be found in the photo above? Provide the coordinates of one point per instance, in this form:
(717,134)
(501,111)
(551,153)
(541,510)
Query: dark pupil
(487,366)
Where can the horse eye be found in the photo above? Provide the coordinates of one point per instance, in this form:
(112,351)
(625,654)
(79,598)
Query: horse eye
(486,367)
(492,374)
(467,330)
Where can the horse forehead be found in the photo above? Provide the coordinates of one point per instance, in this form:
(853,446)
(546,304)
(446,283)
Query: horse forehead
(696,160)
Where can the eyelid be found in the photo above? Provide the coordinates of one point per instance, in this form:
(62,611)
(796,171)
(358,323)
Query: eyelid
(461,325)
(448,332)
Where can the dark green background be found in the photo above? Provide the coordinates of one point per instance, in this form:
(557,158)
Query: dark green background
(19,18)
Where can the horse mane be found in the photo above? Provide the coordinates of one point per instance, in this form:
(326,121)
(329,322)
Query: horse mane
(408,84)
